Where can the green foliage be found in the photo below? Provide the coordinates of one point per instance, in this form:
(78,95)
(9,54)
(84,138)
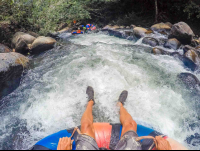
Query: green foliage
(192,9)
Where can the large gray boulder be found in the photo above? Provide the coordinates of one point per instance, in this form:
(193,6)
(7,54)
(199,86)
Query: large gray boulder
(193,55)
(172,44)
(12,66)
(4,49)
(42,44)
(21,42)
(182,32)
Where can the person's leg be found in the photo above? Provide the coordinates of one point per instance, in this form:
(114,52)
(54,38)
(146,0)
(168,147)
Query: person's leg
(126,120)
(87,121)
(87,118)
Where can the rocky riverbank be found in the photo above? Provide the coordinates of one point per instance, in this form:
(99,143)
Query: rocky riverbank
(175,37)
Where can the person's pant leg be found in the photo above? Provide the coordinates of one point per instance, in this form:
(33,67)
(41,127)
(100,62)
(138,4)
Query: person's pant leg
(85,142)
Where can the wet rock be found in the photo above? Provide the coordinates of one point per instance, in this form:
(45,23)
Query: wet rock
(4,49)
(132,26)
(161,28)
(169,24)
(12,66)
(194,140)
(192,55)
(42,44)
(195,43)
(21,42)
(149,31)
(191,81)
(139,32)
(187,47)
(162,41)
(182,32)
(33,34)
(150,41)
(127,27)
(158,51)
(172,44)
(107,27)
(66,29)
(186,61)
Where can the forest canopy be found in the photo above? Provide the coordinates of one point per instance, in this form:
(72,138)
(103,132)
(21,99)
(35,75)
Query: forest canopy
(46,15)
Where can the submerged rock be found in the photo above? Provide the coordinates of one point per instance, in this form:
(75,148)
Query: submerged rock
(139,32)
(190,81)
(21,42)
(12,66)
(4,49)
(172,44)
(150,41)
(182,32)
(42,44)
(186,61)
(187,47)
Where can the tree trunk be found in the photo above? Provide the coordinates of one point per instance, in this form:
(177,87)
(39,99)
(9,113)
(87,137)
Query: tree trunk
(156,11)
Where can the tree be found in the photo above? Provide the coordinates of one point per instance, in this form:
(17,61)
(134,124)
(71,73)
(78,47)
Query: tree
(156,11)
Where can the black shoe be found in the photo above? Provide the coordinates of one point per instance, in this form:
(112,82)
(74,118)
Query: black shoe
(123,97)
(90,93)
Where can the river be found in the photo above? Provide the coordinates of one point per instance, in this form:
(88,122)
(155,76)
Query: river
(52,95)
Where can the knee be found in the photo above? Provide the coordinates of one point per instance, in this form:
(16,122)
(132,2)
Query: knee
(130,125)
(86,126)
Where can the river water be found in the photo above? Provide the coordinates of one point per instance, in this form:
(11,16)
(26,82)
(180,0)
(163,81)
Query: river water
(52,95)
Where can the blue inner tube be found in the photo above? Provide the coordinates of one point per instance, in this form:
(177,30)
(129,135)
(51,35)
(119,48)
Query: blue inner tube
(51,141)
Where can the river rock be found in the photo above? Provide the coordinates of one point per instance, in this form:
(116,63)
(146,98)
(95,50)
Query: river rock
(42,44)
(132,26)
(21,42)
(169,24)
(190,81)
(188,47)
(172,44)
(12,66)
(139,32)
(33,34)
(150,41)
(194,43)
(4,49)
(186,61)
(192,55)
(161,27)
(182,32)
(158,51)
(66,29)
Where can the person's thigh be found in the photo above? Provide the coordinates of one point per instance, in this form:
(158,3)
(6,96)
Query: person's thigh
(128,142)
(85,142)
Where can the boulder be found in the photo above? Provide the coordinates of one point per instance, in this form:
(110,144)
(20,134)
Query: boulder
(4,49)
(158,51)
(132,26)
(149,31)
(186,61)
(192,55)
(194,43)
(182,32)
(127,27)
(172,44)
(169,24)
(150,41)
(21,42)
(139,32)
(107,27)
(187,47)
(161,27)
(33,34)
(66,29)
(12,66)
(190,81)
(42,44)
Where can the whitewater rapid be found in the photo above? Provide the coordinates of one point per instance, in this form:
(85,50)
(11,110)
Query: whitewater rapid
(52,95)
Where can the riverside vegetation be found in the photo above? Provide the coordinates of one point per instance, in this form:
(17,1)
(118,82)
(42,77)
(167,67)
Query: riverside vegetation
(27,29)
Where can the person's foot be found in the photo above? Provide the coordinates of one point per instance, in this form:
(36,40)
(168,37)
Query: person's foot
(123,97)
(90,93)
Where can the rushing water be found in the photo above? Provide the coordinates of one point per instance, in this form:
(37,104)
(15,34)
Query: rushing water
(52,95)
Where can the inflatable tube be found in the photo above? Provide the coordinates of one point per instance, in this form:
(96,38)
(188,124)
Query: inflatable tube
(76,33)
(107,136)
